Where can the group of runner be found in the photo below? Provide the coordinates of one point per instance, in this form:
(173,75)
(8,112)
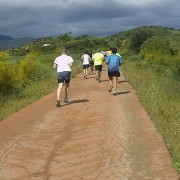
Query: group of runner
(112,59)
(90,62)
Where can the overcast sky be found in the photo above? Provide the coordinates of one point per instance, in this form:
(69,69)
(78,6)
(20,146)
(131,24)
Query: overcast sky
(40,18)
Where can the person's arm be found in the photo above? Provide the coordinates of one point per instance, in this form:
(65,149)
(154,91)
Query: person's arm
(107,60)
(70,61)
(70,64)
(54,66)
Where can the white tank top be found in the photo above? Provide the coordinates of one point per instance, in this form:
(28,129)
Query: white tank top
(86,59)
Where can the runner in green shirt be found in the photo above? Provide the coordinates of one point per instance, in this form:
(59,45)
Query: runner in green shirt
(98,59)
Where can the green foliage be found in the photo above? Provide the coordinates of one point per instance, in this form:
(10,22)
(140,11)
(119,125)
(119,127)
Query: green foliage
(79,45)
(63,38)
(155,74)
(7,74)
(26,95)
(77,65)
(134,38)
(14,77)
(31,69)
(24,81)
(158,54)
(138,38)
(157,46)
(3,56)
(160,96)
(48,45)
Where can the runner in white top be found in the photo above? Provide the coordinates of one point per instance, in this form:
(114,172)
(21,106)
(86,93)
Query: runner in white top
(63,65)
(85,60)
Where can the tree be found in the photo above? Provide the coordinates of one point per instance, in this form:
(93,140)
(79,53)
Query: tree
(64,38)
(138,37)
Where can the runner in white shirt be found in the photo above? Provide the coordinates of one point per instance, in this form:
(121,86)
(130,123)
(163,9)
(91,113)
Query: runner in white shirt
(85,60)
(63,65)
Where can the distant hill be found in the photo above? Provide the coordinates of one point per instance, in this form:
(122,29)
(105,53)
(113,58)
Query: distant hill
(4,37)
(7,42)
(122,40)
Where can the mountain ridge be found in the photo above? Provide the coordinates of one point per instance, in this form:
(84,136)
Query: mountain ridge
(4,37)
(8,42)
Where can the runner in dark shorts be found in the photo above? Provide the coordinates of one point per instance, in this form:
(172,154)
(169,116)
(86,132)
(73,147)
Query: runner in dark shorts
(114,62)
(98,68)
(114,73)
(98,59)
(85,66)
(63,65)
(64,77)
(85,60)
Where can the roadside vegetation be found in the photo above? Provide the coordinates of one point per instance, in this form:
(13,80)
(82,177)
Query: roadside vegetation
(26,80)
(154,72)
(151,64)
(160,96)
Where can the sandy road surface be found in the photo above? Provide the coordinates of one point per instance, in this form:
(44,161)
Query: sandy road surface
(96,136)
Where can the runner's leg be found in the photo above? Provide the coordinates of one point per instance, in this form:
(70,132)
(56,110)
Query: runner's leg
(66,90)
(114,84)
(99,75)
(92,67)
(86,72)
(110,84)
(59,89)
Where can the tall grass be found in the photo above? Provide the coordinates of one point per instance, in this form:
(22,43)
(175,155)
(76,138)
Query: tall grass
(23,82)
(160,95)
(14,102)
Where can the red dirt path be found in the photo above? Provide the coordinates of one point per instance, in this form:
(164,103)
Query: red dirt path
(96,136)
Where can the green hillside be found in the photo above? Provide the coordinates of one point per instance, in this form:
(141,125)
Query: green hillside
(132,40)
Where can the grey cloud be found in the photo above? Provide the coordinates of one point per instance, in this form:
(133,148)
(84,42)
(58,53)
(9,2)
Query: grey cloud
(101,18)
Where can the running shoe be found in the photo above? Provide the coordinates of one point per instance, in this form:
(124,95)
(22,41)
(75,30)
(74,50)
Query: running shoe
(114,94)
(66,100)
(58,104)
(110,89)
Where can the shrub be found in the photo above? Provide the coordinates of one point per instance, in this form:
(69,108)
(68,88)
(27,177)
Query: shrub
(3,56)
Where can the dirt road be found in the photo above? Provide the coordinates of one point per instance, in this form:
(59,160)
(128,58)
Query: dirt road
(96,136)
